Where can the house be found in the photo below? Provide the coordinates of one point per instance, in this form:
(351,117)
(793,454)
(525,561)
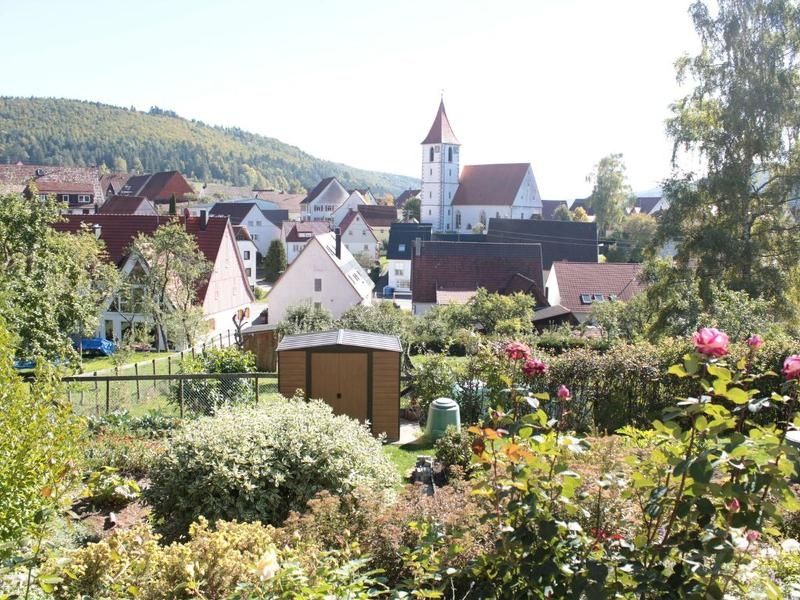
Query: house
(128,205)
(158,187)
(405,196)
(358,237)
(224,292)
(379,218)
(263,225)
(578,286)
(650,205)
(461,201)
(447,272)
(324,199)
(366,193)
(325,274)
(549,208)
(78,187)
(354,200)
(248,251)
(560,240)
(112,183)
(284,201)
(296,234)
(398,252)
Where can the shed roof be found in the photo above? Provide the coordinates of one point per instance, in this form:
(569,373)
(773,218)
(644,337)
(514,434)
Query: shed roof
(341,337)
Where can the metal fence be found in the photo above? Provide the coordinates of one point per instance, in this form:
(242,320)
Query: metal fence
(181,395)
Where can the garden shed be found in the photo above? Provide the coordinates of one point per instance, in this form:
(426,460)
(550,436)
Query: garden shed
(356,372)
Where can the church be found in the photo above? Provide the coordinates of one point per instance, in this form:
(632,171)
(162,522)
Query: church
(464,200)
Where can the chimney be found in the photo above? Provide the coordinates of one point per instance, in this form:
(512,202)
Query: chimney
(418,246)
(338,233)
(203,220)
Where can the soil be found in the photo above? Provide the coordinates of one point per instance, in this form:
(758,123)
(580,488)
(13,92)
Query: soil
(102,522)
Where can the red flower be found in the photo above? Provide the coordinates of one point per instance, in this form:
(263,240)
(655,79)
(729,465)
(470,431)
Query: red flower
(753,536)
(734,506)
(563,392)
(533,367)
(755,341)
(517,351)
(791,367)
(711,342)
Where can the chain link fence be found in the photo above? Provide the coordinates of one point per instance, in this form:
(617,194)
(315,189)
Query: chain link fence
(181,395)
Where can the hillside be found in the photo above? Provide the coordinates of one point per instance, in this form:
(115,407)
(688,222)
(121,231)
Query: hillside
(73,132)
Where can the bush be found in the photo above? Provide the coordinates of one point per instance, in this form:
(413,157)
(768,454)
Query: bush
(432,379)
(132,456)
(305,318)
(205,396)
(259,464)
(454,449)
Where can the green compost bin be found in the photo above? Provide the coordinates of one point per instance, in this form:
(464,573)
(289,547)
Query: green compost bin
(442,413)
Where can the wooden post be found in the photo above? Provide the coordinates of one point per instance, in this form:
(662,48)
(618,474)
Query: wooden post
(154,373)
(169,365)
(192,351)
(96,396)
(108,396)
(229,337)
(220,338)
(180,397)
(138,391)
(256,389)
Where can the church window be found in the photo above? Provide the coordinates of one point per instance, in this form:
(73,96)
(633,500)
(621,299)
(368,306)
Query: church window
(458,219)
(431,155)
(429,195)
(431,171)
(449,155)
(449,194)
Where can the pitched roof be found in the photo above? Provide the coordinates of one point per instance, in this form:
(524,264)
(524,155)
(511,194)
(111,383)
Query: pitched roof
(405,196)
(303,231)
(126,205)
(378,216)
(609,279)
(347,220)
(115,180)
(241,233)
(276,217)
(454,296)
(15,178)
(472,265)
(62,187)
(495,185)
(157,187)
(118,232)
(317,190)
(646,204)
(441,132)
(347,264)
(560,240)
(290,202)
(402,236)
(236,211)
(341,337)
(549,208)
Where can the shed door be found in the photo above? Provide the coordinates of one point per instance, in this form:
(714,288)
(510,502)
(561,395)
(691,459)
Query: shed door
(341,380)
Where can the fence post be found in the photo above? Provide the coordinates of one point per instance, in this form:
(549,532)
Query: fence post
(96,396)
(108,396)
(256,389)
(138,391)
(220,338)
(154,374)
(229,337)
(192,351)
(180,397)
(169,365)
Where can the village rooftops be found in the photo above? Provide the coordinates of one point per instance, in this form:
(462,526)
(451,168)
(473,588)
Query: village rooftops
(302,231)
(580,285)
(51,179)
(493,185)
(128,205)
(402,236)
(560,240)
(378,216)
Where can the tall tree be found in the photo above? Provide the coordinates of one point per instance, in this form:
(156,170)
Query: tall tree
(731,216)
(610,193)
(412,209)
(275,260)
(52,284)
(174,269)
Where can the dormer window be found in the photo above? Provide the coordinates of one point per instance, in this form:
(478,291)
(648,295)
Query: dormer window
(401,247)
(598,298)
(612,297)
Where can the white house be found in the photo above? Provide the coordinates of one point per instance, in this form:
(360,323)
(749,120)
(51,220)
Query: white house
(398,252)
(354,200)
(324,199)
(296,234)
(248,252)
(453,200)
(358,236)
(263,225)
(324,274)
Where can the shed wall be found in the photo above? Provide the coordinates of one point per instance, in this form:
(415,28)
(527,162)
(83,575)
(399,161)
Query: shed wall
(386,394)
(292,372)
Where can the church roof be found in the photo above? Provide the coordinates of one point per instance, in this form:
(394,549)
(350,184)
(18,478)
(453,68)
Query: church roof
(490,184)
(441,132)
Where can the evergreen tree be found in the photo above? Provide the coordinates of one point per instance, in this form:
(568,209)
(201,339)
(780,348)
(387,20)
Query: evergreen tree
(173,205)
(275,260)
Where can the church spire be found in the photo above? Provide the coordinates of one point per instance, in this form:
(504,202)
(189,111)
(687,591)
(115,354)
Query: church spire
(441,132)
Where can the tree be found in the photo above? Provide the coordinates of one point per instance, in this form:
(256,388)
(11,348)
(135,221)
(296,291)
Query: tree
(173,270)
(610,193)
(731,217)
(120,165)
(275,260)
(412,209)
(386,200)
(173,205)
(304,318)
(52,284)
(637,233)
(561,213)
(579,215)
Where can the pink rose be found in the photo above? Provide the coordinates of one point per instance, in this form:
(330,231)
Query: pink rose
(753,536)
(517,351)
(563,392)
(533,367)
(791,367)
(711,342)
(755,341)
(734,505)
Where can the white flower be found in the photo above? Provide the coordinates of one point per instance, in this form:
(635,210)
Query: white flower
(790,545)
(268,565)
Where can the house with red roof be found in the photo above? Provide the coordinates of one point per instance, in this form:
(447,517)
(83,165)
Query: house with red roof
(158,187)
(578,286)
(221,295)
(463,201)
(296,234)
(358,237)
(77,187)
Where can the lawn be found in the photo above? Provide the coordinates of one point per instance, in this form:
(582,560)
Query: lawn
(405,457)
(101,363)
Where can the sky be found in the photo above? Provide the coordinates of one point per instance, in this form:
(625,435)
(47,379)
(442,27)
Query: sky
(557,83)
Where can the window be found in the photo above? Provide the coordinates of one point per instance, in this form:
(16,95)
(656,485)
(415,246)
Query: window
(612,297)
(84,199)
(431,155)
(449,155)
(598,298)
(246,254)
(498,214)
(318,285)
(363,232)
(250,223)
(449,194)
(429,196)
(483,217)
(248,271)
(586,299)
(366,247)
(401,247)
(317,305)
(431,171)
(65,197)
(350,232)
(42,197)
(458,219)
(258,223)
(254,236)
(429,212)
(469,225)
(521,215)
(398,272)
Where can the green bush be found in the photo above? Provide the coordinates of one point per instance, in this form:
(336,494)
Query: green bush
(454,449)
(257,464)
(433,378)
(132,456)
(205,396)
(305,318)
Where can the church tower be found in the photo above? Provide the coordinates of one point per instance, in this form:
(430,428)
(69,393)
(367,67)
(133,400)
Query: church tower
(439,173)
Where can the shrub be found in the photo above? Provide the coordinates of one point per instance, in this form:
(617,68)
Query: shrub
(258,464)
(432,379)
(305,318)
(454,449)
(205,396)
(132,456)
(106,488)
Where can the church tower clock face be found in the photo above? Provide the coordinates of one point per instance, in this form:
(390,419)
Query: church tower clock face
(440,169)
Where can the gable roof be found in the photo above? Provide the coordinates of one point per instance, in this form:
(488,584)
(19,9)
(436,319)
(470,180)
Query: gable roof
(471,265)
(441,132)
(496,185)
(236,211)
(549,208)
(320,187)
(157,187)
(15,178)
(405,196)
(341,337)
(560,240)
(115,180)
(402,235)
(118,232)
(241,233)
(126,205)
(303,231)
(276,216)
(284,201)
(646,204)
(378,216)
(575,279)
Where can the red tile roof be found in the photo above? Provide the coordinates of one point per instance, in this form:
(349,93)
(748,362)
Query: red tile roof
(378,216)
(118,232)
(116,180)
(441,132)
(126,205)
(347,220)
(472,265)
(496,185)
(15,178)
(61,187)
(241,233)
(158,187)
(302,231)
(575,279)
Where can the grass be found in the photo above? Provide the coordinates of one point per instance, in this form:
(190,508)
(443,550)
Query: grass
(101,363)
(405,457)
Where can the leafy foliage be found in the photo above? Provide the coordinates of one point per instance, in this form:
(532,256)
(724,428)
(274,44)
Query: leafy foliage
(304,318)
(275,260)
(206,396)
(71,132)
(257,464)
(610,193)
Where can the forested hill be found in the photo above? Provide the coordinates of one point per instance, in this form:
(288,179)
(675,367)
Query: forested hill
(73,132)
